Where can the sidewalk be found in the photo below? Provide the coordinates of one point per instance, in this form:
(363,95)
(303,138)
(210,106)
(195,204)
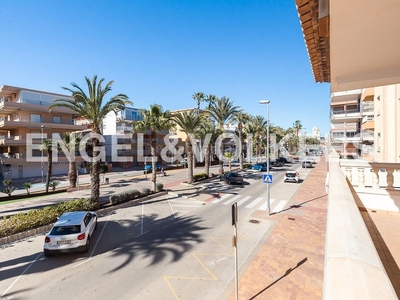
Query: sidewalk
(289,265)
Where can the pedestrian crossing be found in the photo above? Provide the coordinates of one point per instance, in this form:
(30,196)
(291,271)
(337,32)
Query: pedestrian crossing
(251,202)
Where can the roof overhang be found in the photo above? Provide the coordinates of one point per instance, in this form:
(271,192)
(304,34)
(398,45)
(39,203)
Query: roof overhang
(362,46)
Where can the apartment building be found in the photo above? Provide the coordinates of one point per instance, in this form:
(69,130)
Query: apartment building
(345,120)
(135,147)
(24,111)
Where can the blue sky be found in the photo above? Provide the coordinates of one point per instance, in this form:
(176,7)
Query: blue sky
(163,51)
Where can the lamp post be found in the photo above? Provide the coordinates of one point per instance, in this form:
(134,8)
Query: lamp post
(41,127)
(268,184)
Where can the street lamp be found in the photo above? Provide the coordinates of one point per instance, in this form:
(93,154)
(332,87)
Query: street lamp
(42,153)
(268,184)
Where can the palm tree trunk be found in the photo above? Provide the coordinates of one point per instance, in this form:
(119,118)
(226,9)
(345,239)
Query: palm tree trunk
(49,167)
(207,157)
(95,176)
(72,174)
(190,161)
(240,150)
(153,162)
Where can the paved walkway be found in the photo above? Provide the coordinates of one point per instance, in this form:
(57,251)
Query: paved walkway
(289,264)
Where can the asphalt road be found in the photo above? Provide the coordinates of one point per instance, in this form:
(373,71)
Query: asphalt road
(166,248)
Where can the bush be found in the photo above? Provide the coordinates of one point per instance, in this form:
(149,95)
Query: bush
(40,217)
(159,187)
(124,196)
(247,166)
(199,176)
(146,191)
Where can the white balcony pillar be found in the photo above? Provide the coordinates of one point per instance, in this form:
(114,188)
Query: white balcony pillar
(361,178)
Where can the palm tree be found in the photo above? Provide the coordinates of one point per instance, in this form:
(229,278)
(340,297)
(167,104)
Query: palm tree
(189,122)
(208,128)
(297,127)
(199,97)
(210,99)
(222,111)
(241,118)
(94,108)
(72,141)
(47,146)
(155,119)
(257,128)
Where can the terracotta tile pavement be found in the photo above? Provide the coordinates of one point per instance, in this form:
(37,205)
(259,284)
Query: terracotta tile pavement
(290,263)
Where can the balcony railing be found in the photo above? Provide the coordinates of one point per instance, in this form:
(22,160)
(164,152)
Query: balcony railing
(352,264)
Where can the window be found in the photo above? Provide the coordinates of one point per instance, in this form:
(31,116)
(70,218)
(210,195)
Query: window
(57,119)
(36,118)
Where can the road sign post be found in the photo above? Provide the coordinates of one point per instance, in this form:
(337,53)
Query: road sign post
(267,178)
(234,244)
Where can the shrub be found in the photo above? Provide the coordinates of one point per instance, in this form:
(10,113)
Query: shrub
(145,191)
(247,166)
(54,184)
(114,199)
(159,187)
(27,186)
(199,176)
(40,217)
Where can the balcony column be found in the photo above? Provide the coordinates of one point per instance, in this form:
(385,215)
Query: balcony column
(375,179)
(349,174)
(361,178)
(390,178)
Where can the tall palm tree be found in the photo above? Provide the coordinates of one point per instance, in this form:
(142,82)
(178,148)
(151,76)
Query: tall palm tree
(199,97)
(155,119)
(47,146)
(189,122)
(297,127)
(222,111)
(210,99)
(94,108)
(257,128)
(72,141)
(241,118)
(208,128)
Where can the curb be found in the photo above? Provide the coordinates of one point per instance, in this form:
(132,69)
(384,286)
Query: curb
(44,229)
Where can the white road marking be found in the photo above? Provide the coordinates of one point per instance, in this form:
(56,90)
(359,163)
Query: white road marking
(243,200)
(265,205)
(232,200)
(254,203)
(221,198)
(280,206)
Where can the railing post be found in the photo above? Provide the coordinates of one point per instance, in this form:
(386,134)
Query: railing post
(349,174)
(361,178)
(375,179)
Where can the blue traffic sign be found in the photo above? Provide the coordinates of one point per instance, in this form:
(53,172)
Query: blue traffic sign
(267,178)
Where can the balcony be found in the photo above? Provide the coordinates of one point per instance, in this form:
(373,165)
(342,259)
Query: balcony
(367,135)
(5,123)
(349,115)
(352,260)
(12,140)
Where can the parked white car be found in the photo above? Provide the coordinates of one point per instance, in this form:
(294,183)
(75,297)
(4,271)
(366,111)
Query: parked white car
(291,176)
(71,233)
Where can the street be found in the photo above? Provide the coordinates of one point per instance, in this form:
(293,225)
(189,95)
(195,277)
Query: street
(170,247)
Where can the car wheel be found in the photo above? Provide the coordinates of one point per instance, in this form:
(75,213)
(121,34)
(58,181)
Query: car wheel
(87,246)
(95,224)
(47,253)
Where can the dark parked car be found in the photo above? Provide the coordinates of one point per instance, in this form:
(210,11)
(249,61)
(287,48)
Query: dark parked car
(149,168)
(231,177)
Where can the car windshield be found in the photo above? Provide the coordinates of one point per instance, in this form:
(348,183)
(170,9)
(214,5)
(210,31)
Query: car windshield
(290,174)
(63,230)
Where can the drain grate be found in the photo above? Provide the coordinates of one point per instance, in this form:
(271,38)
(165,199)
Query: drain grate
(254,221)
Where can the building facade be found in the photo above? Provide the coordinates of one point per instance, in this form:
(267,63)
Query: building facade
(25,111)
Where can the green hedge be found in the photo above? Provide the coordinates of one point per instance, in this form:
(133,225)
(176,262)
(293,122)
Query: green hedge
(40,217)
(199,176)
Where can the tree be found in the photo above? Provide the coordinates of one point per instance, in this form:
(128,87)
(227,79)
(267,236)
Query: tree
(199,97)
(47,146)
(297,127)
(72,141)
(189,122)
(241,118)
(155,119)
(94,108)
(208,128)
(222,111)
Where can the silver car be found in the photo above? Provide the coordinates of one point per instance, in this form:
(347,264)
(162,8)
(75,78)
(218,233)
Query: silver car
(71,233)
